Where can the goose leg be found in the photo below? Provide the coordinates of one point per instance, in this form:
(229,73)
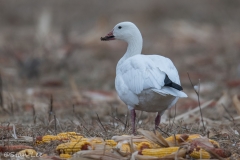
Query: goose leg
(133,117)
(157,120)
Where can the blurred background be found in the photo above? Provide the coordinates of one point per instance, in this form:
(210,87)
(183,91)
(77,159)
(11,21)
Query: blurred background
(53,48)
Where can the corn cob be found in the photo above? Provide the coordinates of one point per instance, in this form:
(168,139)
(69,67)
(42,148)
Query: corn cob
(144,145)
(72,147)
(179,138)
(49,138)
(27,153)
(66,134)
(72,136)
(159,152)
(193,136)
(76,138)
(111,143)
(215,143)
(200,154)
(69,136)
(95,140)
(125,148)
(65,156)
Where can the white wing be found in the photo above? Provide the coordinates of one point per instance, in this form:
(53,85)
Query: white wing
(166,65)
(147,71)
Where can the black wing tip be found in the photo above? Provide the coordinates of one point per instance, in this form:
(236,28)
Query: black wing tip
(169,83)
(176,86)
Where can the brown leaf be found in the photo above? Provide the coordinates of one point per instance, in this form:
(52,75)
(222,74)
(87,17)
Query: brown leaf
(233,83)
(7,128)
(221,152)
(200,143)
(14,148)
(52,83)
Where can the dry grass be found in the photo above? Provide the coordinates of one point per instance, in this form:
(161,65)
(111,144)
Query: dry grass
(55,51)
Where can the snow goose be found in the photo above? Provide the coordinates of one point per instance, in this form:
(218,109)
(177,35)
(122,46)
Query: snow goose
(144,82)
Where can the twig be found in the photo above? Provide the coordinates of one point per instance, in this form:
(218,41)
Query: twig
(116,118)
(228,113)
(101,123)
(138,118)
(173,117)
(50,109)
(12,109)
(1,95)
(126,122)
(73,107)
(197,92)
(186,114)
(112,115)
(163,131)
(55,123)
(88,132)
(34,114)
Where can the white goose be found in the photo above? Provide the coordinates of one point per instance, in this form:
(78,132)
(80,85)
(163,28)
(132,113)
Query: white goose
(144,82)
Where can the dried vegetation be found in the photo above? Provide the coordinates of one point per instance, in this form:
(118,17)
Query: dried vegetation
(56,76)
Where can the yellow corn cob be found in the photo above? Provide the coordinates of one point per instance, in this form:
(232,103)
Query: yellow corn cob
(182,138)
(201,154)
(66,134)
(193,136)
(215,143)
(178,138)
(154,145)
(49,138)
(65,156)
(72,136)
(144,145)
(161,152)
(111,143)
(38,142)
(76,138)
(125,148)
(96,140)
(72,147)
(27,153)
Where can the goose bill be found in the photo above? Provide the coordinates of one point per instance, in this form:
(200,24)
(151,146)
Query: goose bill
(108,37)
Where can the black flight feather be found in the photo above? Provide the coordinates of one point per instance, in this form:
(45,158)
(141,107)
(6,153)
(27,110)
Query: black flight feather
(169,83)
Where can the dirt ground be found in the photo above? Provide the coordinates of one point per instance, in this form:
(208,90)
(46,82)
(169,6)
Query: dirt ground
(52,49)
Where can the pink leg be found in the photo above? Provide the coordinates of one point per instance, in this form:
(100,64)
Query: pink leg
(157,120)
(133,117)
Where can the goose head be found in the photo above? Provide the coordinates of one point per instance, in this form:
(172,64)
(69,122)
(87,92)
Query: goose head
(126,31)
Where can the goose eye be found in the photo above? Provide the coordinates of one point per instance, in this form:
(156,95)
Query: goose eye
(119,27)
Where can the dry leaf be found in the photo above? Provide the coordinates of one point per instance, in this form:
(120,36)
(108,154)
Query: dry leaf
(180,153)
(127,137)
(141,157)
(98,154)
(14,148)
(154,138)
(187,114)
(236,103)
(225,101)
(233,83)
